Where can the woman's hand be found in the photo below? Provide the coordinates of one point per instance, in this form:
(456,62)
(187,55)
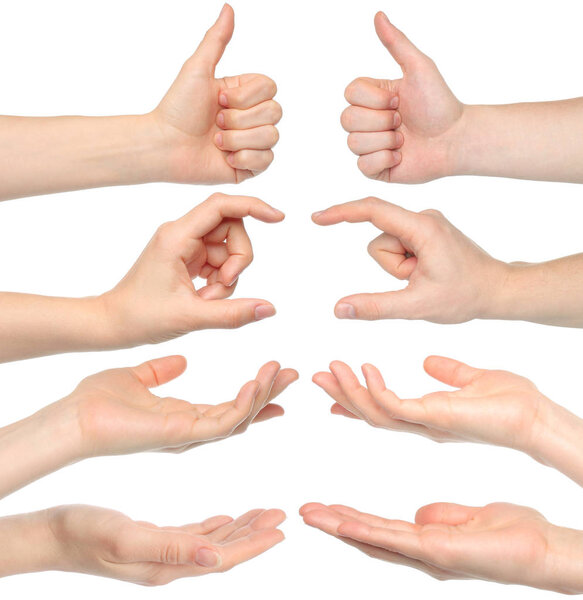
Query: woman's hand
(491,407)
(117,413)
(157,300)
(104,542)
(499,542)
(217,130)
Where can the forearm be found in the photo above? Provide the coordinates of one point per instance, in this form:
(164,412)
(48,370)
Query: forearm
(564,565)
(541,141)
(38,445)
(559,441)
(32,325)
(27,544)
(549,292)
(42,155)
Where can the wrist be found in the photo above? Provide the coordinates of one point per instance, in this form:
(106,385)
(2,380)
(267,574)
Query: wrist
(564,563)
(38,445)
(28,544)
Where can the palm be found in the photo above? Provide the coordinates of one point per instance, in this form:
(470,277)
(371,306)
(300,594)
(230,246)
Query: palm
(498,542)
(119,415)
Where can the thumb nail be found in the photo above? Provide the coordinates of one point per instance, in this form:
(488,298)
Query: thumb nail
(263,311)
(205,557)
(345,311)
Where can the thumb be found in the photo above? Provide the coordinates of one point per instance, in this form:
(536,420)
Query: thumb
(231,314)
(446,513)
(172,548)
(450,371)
(160,370)
(396,42)
(371,307)
(215,41)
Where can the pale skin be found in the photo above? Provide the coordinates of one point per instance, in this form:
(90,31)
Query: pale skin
(450,278)
(499,542)
(414,129)
(114,412)
(104,542)
(206,130)
(160,298)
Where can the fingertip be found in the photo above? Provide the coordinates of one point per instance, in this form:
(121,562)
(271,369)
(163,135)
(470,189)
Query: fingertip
(344,310)
(218,139)
(223,100)
(264,311)
(221,119)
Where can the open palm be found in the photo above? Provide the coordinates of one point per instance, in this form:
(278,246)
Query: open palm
(118,414)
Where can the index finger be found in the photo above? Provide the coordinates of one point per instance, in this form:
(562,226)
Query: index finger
(388,217)
(206,216)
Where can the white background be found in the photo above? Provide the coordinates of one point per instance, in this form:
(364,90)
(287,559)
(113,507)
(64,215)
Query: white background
(111,57)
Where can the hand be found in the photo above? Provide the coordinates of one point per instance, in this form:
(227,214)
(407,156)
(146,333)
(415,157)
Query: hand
(117,414)
(492,407)
(217,130)
(104,542)
(499,542)
(403,130)
(157,301)
(451,279)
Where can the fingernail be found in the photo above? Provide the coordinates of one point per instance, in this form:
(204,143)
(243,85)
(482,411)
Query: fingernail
(263,311)
(396,120)
(223,10)
(221,119)
(317,214)
(233,279)
(399,138)
(394,102)
(219,139)
(345,311)
(223,100)
(397,156)
(205,557)
(231,159)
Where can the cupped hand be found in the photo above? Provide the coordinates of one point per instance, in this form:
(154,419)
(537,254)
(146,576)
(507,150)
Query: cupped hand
(104,542)
(217,130)
(403,130)
(490,407)
(451,279)
(499,542)
(157,300)
(117,414)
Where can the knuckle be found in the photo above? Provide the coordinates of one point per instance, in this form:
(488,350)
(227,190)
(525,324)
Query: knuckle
(352,141)
(347,118)
(275,111)
(273,135)
(164,234)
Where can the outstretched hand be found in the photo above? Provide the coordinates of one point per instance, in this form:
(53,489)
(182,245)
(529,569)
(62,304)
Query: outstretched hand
(117,413)
(499,542)
(403,130)
(493,407)
(104,542)
(218,130)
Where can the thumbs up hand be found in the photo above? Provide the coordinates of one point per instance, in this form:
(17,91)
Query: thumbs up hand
(217,130)
(403,130)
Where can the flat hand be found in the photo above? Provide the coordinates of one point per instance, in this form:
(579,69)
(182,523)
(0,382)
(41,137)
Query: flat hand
(157,300)
(104,542)
(217,130)
(403,130)
(499,542)
(117,413)
(494,407)
(451,279)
